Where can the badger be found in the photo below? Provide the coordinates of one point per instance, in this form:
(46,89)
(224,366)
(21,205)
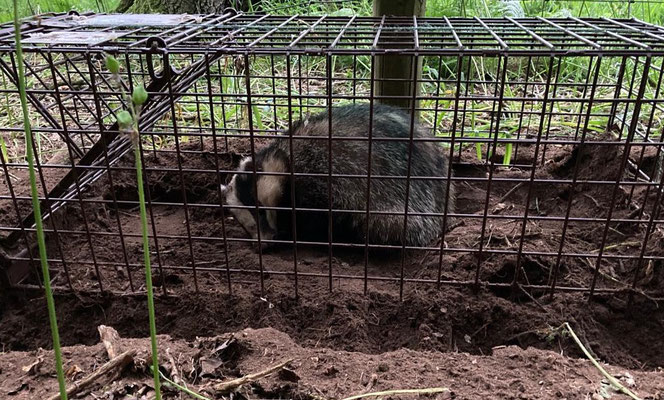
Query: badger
(265,181)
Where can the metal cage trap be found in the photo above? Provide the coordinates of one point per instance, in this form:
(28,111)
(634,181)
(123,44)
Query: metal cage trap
(553,128)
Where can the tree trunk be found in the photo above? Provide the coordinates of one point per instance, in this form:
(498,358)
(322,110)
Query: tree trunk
(185,6)
(394,74)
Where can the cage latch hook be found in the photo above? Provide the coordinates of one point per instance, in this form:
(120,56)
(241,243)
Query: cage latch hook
(157,45)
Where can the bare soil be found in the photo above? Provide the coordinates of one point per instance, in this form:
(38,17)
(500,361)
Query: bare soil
(323,373)
(450,336)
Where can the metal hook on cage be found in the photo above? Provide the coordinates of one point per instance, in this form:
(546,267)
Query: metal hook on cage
(158,45)
(233,12)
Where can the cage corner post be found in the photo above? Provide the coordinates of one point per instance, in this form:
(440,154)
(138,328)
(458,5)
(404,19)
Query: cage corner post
(394,73)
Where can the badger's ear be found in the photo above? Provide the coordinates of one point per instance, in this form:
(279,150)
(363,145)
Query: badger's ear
(224,190)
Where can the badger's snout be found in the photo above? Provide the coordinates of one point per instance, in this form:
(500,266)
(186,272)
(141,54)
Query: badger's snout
(246,217)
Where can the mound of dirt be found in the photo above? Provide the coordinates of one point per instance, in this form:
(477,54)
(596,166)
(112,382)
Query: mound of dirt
(444,321)
(208,286)
(323,373)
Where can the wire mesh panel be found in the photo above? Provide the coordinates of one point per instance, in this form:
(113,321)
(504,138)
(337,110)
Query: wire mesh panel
(527,158)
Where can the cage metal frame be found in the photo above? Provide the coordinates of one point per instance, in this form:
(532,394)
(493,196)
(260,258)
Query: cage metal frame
(204,40)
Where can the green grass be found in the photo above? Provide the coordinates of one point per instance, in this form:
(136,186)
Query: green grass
(41,239)
(478,117)
(648,11)
(128,121)
(32,7)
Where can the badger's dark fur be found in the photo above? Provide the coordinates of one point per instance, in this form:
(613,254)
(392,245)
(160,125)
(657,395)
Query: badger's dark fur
(349,157)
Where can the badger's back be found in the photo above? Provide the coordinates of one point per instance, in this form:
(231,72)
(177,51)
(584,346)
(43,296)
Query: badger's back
(389,158)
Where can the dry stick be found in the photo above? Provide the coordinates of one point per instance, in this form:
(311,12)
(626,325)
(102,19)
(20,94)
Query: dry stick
(532,298)
(616,245)
(107,371)
(399,391)
(608,376)
(175,375)
(110,338)
(228,386)
(509,192)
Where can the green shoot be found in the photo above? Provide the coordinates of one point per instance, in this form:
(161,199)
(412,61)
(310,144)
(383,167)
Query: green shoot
(8,108)
(181,388)
(146,256)
(507,157)
(41,241)
(478,145)
(128,123)
(258,120)
(3,149)
(389,393)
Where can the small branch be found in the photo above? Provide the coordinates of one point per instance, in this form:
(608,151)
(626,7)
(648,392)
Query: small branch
(591,267)
(102,375)
(616,245)
(110,338)
(175,375)
(399,391)
(228,386)
(531,297)
(608,376)
(509,192)
(184,389)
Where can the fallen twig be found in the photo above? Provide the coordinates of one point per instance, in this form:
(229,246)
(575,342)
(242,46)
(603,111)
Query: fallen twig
(175,375)
(532,298)
(608,376)
(228,386)
(110,338)
(183,388)
(587,262)
(509,192)
(105,374)
(616,245)
(399,391)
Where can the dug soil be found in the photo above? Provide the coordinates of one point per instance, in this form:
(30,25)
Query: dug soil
(501,338)
(323,373)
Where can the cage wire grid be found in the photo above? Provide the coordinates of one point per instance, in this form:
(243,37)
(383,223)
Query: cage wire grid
(499,95)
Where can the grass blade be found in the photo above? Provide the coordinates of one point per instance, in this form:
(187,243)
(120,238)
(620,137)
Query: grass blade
(608,376)
(183,389)
(3,149)
(41,241)
(148,269)
(388,393)
(507,158)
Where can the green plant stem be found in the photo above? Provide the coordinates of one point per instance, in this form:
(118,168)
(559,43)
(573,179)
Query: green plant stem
(41,242)
(608,376)
(399,391)
(146,259)
(184,389)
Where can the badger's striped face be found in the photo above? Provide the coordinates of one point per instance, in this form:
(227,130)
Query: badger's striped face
(265,192)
